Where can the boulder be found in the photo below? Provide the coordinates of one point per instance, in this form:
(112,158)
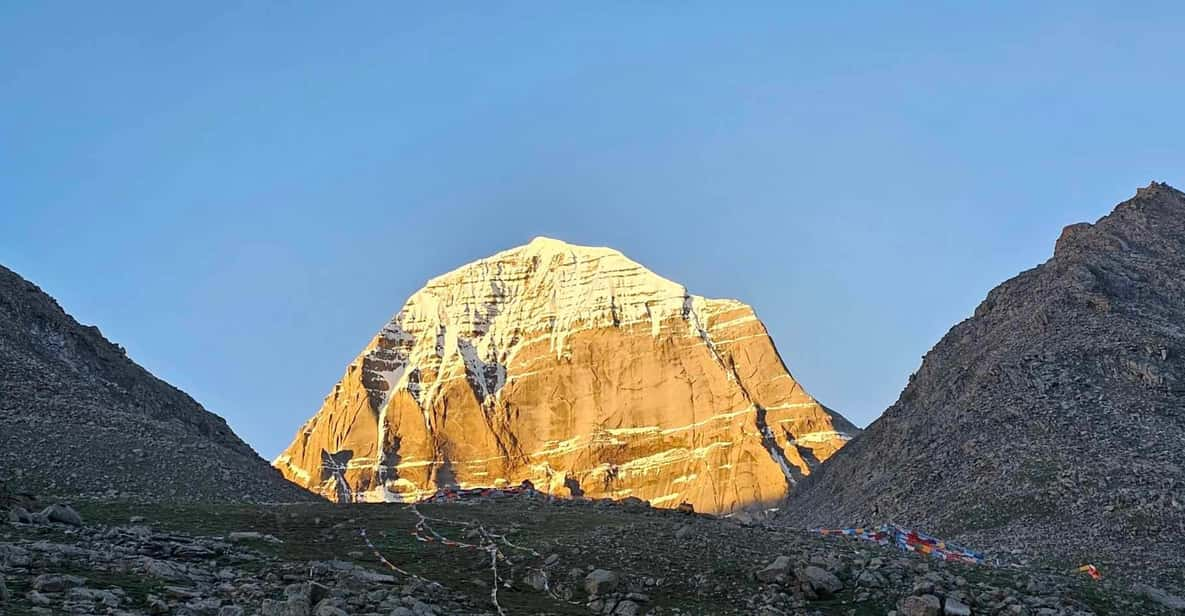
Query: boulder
(299,606)
(14,555)
(329,610)
(165,570)
(954,607)
(633,503)
(823,582)
(535,579)
(293,606)
(601,581)
(627,608)
(19,515)
(920,605)
(205,606)
(1157,595)
(241,536)
(419,608)
(95,595)
(872,579)
(742,518)
(48,582)
(777,571)
(62,514)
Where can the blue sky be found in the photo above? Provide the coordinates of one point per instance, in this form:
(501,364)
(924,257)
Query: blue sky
(242,194)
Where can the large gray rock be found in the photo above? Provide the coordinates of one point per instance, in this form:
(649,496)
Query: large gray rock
(239,537)
(627,608)
(299,606)
(419,608)
(62,514)
(49,582)
(14,555)
(872,579)
(38,599)
(165,570)
(601,581)
(329,610)
(19,515)
(954,607)
(633,503)
(777,571)
(823,582)
(293,606)
(94,595)
(535,579)
(920,605)
(205,606)
(1157,595)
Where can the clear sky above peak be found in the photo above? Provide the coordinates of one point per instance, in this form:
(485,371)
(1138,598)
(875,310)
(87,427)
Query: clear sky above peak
(243,193)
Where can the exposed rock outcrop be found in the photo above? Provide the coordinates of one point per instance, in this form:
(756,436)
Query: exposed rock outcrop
(1052,421)
(574,368)
(78,417)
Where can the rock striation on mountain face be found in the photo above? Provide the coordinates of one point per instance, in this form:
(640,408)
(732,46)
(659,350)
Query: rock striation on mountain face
(78,417)
(1051,421)
(577,369)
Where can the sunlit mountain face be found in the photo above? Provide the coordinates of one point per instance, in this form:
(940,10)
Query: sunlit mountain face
(578,370)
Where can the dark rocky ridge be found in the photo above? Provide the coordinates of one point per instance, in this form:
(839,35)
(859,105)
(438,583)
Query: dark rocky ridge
(1052,421)
(78,417)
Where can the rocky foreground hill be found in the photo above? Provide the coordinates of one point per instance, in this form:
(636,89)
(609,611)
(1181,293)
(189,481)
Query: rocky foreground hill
(574,368)
(515,556)
(1052,422)
(78,417)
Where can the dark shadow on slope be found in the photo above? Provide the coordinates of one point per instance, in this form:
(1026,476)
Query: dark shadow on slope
(808,456)
(775,451)
(444,476)
(573,487)
(333,465)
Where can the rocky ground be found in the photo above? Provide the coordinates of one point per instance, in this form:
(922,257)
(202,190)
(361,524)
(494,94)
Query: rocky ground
(562,557)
